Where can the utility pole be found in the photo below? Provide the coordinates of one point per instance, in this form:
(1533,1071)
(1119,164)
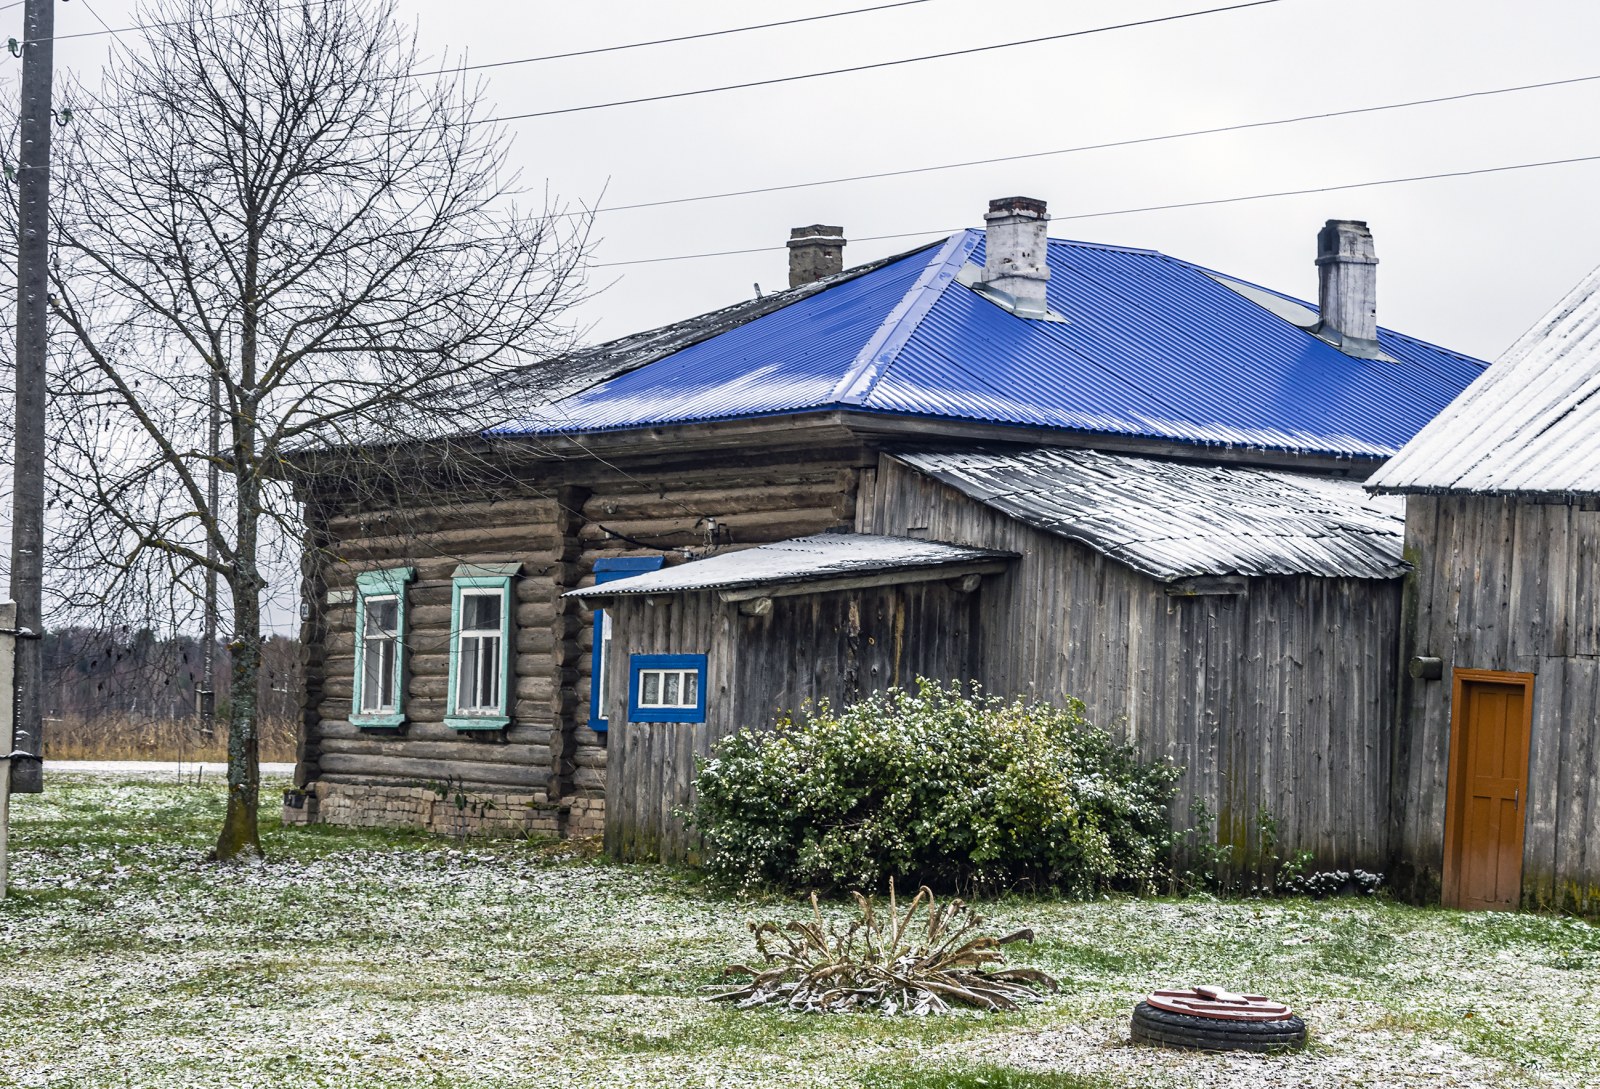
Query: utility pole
(33,311)
(207,696)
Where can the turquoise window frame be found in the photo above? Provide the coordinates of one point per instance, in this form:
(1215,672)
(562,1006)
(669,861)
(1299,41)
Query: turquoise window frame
(482,576)
(391,582)
(609,570)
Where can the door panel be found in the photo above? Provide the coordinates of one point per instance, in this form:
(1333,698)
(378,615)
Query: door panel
(1484,819)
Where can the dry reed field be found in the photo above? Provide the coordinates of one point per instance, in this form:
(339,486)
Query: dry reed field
(131,737)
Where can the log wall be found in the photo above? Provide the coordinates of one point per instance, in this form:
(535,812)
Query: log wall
(1278,699)
(835,646)
(1508,585)
(555,525)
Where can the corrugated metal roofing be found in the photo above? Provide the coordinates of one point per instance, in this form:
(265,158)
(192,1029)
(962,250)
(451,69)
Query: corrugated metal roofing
(803,559)
(1530,425)
(1152,347)
(1174,520)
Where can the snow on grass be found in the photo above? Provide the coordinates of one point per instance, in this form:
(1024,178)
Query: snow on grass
(377,959)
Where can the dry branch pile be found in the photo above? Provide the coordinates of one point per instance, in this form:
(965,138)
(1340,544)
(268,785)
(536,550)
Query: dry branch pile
(894,963)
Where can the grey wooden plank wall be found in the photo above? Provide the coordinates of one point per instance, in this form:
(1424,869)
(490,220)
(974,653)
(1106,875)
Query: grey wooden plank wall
(837,646)
(1509,585)
(1280,698)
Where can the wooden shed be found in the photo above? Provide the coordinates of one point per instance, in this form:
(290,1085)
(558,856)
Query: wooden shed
(740,640)
(1497,776)
(1242,623)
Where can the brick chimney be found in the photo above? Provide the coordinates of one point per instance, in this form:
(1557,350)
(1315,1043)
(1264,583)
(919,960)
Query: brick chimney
(1016,254)
(1347,278)
(815,253)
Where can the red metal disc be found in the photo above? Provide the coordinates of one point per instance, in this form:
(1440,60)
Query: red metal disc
(1220,1005)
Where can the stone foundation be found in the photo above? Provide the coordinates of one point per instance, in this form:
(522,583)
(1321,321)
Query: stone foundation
(452,814)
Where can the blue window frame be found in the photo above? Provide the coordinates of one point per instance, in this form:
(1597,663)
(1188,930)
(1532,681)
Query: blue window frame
(667,688)
(378,694)
(481,682)
(609,570)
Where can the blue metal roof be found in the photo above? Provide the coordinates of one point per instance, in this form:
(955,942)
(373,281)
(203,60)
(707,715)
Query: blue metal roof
(1152,347)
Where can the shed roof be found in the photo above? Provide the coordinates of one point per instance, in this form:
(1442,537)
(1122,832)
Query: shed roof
(1176,520)
(1151,348)
(1530,425)
(825,557)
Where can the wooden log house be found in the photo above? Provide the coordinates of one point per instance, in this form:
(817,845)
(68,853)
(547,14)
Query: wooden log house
(1181,540)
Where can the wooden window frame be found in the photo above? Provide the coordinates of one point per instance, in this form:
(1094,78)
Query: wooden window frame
(474,580)
(1455,772)
(609,570)
(639,664)
(387,583)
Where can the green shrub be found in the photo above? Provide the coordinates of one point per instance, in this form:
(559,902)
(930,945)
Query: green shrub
(939,786)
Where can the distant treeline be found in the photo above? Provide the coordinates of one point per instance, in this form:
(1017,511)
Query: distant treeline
(132,674)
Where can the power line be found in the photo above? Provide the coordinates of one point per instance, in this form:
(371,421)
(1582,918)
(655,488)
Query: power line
(141,26)
(658,41)
(877,64)
(1215,130)
(752,83)
(1154,207)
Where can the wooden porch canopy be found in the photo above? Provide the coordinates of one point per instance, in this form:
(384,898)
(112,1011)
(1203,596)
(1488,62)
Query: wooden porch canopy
(810,565)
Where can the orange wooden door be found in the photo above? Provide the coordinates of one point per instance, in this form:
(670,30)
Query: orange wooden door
(1490,720)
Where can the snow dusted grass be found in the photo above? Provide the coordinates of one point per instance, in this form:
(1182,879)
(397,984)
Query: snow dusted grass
(376,960)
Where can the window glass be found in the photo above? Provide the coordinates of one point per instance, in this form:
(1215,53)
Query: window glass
(480,611)
(380,654)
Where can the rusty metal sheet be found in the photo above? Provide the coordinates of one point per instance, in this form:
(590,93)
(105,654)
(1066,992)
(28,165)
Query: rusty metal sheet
(1220,1004)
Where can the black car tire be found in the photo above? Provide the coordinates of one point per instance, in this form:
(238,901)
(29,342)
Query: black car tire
(1163,1029)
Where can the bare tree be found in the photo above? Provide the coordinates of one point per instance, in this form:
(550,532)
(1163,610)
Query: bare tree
(271,197)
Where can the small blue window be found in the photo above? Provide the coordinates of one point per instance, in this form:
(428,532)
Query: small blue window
(667,688)
(609,570)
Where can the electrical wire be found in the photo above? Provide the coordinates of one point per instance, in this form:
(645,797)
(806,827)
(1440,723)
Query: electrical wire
(967,52)
(1215,130)
(147,26)
(657,41)
(1154,207)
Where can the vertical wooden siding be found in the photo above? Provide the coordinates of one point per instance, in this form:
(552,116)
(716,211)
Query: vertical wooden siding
(836,646)
(1510,585)
(1281,698)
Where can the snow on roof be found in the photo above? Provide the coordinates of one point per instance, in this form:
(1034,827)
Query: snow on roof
(1529,425)
(1175,520)
(821,557)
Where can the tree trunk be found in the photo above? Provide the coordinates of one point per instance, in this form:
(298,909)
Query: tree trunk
(240,832)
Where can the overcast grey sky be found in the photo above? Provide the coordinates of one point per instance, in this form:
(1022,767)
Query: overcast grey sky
(1468,262)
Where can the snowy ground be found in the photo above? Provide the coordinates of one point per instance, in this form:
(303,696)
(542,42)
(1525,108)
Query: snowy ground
(374,960)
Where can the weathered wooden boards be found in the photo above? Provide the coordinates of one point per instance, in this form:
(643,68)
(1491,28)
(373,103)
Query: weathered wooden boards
(836,646)
(1279,699)
(1512,585)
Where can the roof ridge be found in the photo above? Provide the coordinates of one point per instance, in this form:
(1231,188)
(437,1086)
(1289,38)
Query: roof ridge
(880,350)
